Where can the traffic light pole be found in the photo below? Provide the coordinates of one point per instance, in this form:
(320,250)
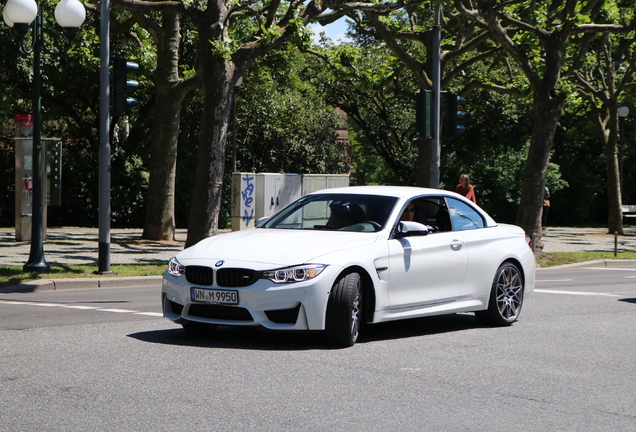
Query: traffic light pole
(104,141)
(436,90)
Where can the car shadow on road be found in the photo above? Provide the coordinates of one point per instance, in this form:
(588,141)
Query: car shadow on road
(252,338)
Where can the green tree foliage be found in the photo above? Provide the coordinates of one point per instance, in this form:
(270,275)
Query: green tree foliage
(70,111)
(377,92)
(230,36)
(492,152)
(68,105)
(283,123)
(544,40)
(605,75)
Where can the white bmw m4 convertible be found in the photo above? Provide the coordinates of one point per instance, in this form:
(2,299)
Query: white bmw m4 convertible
(338,258)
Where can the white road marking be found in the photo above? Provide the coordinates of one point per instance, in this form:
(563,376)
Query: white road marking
(579,293)
(555,280)
(47,304)
(77,307)
(609,268)
(152,314)
(117,310)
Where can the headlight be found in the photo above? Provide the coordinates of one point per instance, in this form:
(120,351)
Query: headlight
(294,274)
(175,268)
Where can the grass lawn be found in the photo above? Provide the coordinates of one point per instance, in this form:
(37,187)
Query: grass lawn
(561,258)
(13,275)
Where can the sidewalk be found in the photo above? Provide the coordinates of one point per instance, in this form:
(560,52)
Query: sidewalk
(72,245)
(586,240)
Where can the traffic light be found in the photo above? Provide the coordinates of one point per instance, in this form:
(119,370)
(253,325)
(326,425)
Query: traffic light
(122,85)
(452,115)
(423,100)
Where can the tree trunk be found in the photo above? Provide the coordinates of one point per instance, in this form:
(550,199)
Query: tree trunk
(218,83)
(547,108)
(615,215)
(160,223)
(169,93)
(547,111)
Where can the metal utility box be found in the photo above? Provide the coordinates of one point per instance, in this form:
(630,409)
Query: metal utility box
(24,189)
(275,191)
(258,195)
(314,182)
(51,176)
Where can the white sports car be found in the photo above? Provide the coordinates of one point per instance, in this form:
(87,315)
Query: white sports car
(337,258)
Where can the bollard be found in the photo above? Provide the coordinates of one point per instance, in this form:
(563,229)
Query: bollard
(615,243)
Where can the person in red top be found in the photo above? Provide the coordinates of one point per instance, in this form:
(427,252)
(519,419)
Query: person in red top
(465,188)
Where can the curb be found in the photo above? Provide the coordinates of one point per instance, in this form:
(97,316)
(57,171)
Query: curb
(587,263)
(82,283)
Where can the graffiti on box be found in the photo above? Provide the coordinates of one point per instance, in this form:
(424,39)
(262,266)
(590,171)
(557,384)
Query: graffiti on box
(247,195)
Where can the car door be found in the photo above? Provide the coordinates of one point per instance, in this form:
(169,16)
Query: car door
(481,245)
(427,269)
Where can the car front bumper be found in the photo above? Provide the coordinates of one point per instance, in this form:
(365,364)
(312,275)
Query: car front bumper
(292,306)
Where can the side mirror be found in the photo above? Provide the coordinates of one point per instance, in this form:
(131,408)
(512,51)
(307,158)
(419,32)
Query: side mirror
(410,229)
(261,221)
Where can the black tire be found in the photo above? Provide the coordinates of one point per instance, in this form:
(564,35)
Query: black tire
(344,311)
(197,327)
(506,297)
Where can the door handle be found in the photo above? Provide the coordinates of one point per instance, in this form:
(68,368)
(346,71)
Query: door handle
(456,244)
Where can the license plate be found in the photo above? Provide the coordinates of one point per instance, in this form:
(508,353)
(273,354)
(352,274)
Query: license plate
(214,296)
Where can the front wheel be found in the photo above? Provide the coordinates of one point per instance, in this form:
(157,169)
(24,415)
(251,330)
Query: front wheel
(506,297)
(344,311)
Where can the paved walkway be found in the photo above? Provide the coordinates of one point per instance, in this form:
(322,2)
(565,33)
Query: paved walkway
(72,245)
(587,240)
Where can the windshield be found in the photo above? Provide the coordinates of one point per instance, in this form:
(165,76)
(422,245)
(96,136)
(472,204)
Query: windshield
(335,212)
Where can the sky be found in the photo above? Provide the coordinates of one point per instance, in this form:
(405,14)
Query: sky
(334,31)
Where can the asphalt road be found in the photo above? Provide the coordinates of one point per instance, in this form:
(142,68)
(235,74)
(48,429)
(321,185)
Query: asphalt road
(102,360)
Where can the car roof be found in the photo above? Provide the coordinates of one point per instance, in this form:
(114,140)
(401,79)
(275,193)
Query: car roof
(396,191)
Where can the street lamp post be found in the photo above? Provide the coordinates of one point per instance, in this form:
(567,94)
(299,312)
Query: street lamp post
(622,112)
(19,14)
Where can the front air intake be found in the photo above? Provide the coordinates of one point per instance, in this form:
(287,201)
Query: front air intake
(199,275)
(236,277)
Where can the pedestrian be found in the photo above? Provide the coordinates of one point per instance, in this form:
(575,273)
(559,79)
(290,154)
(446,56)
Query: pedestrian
(465,188)
(546,207)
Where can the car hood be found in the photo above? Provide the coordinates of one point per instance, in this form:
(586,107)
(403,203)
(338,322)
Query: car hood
(279,247)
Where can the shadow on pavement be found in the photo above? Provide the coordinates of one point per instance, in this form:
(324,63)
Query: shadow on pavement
(254,338)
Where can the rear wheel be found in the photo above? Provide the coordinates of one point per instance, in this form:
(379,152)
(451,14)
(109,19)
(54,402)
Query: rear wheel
(344,311)
(506,297)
